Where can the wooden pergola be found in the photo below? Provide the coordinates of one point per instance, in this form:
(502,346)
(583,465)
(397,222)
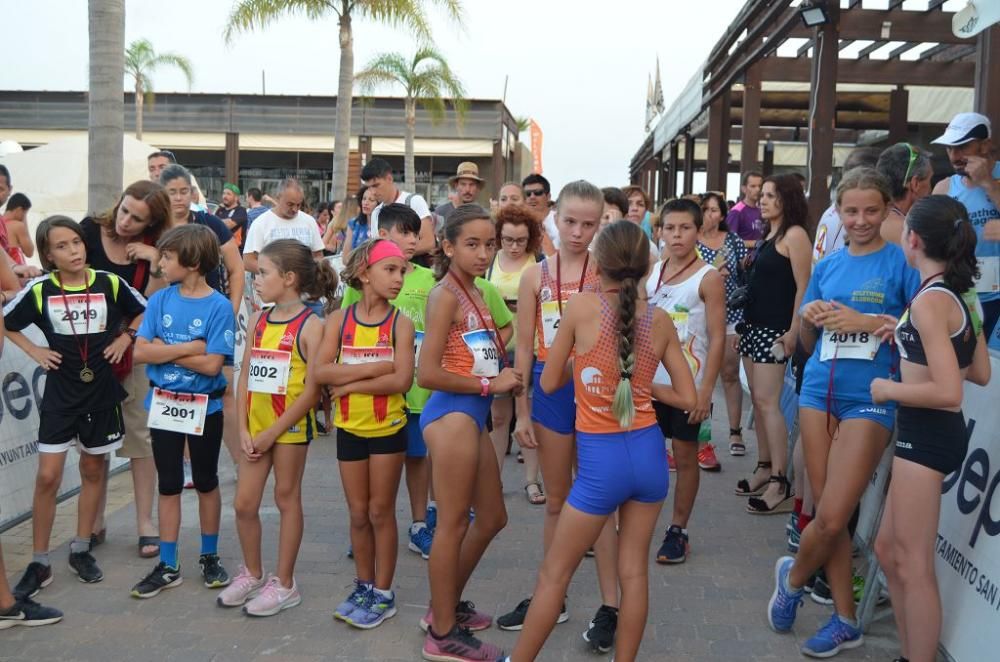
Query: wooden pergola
(901,47)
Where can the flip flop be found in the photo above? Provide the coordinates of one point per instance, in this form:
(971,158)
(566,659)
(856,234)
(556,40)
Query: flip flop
(536,499)
(149,541)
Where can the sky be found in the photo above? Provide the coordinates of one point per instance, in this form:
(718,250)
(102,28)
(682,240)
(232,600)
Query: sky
(576,68)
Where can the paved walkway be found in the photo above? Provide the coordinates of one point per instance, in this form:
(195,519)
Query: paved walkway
(710,608)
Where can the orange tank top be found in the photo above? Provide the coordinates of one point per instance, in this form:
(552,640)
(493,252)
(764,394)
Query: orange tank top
(596,374)
(473,348)
(553,293)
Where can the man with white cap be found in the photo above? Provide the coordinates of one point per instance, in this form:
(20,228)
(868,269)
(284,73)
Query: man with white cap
(976,184)
(467,184)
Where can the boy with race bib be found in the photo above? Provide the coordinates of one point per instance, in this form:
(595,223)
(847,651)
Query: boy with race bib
(184,339)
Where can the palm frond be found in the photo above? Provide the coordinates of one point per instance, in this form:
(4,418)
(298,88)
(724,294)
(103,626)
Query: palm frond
(411,14)
(174,60)
(249,15)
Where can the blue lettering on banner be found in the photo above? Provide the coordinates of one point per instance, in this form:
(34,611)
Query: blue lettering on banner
(975,488)
(17,394)
(984,587)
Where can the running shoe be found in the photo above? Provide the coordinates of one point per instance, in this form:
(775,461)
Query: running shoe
(188,477)
(273,598)
(28,613)
(707,460)
(36,577)
(465,615)
(243,587)
(354,600)
(431,518)
(793,542)
(162,577)
(859,591)
(675,547)
(835,636)
(600,634)
(459,645)
(420,541)
(821,593)
(84,566)
(671,464)
(783,604)
(373,611)
(212,572)
(514,620)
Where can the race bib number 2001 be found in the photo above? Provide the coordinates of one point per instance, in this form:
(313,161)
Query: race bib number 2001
(178,412)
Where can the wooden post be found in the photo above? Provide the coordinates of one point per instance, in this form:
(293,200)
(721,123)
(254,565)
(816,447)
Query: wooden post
(750,143)
(498,169)
(719,121)
(688,164)
(988,73)
(899,103)
(232,157)
(673,163)
(822,114)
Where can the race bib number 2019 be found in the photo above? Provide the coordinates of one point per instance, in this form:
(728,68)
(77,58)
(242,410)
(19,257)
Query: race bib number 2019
(76,314)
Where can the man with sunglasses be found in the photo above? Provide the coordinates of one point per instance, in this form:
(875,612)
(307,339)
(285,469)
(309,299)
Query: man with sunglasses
(976,184)
(538,198)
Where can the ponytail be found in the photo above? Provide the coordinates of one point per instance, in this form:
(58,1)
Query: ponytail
(961,268)
(623,406)
(324,285)
(317,280)
(943,224)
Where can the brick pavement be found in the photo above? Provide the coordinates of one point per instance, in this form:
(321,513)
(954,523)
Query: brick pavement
(710,608)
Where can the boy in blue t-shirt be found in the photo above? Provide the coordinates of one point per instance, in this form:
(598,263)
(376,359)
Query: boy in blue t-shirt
(187,334)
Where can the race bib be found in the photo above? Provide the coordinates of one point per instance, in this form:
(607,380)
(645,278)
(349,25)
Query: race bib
(550,322)
(178,412)
(269,370)
(418,341)
(989,275)
(485,358)
(861,345)
(74,313)
(680,320)
(356,355)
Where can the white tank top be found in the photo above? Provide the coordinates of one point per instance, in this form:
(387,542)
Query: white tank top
(684,305)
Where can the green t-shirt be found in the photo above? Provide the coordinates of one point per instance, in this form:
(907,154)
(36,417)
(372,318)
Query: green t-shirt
(412,302)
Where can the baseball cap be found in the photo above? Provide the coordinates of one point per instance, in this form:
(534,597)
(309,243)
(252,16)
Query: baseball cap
(963,128)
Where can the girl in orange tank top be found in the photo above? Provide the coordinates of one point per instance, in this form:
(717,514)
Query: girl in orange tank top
(618,341)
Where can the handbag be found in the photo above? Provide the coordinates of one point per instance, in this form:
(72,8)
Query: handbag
(740,297)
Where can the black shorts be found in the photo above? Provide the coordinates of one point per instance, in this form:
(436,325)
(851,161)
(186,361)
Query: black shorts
(97,432)
(352,448)
(932,438)
(756,343)
(674,423)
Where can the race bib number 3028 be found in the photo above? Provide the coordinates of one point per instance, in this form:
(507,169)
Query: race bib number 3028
(178,412)
(76,314)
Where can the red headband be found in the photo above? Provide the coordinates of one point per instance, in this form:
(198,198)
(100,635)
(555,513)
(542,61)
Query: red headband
(383,249)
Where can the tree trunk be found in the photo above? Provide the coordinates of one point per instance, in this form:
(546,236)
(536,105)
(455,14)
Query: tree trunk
(409,168)
(139,92)
(345,87)
(106,20)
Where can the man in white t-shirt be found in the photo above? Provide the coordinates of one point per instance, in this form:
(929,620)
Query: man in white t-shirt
(285,221)
(377,176)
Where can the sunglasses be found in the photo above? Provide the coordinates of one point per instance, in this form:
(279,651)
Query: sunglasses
(534,193)
(914,155)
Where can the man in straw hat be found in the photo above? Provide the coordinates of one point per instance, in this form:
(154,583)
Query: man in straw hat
(466,183)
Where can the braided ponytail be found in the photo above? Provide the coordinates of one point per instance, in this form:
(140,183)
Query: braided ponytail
(622,406)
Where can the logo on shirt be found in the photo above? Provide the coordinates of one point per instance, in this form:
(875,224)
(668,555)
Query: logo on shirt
(196,323)
(871,291)
(545,294)
(230,338)
(593,381)
(471,323)
(167,320)
(171,376)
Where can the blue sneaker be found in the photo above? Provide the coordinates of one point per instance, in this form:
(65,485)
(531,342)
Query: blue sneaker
(420,541)
(431,518)
(355,599)
(835,636)
(373,611)
(783,603)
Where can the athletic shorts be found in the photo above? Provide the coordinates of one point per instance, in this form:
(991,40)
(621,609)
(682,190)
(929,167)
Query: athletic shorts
(674,424)
(844,410)
(617,467)
(555,411)
(756,343)
(932,438)
(442,403)
(415,446)
(352,448)
(96,432)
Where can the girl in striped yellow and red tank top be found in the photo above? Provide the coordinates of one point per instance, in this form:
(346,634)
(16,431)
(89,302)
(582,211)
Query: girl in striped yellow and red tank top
(368,360)
(276,394)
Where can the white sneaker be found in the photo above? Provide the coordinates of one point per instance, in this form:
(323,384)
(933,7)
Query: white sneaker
(243,587)
(273,598)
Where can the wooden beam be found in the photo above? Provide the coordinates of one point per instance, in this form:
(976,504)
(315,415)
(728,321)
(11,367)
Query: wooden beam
(933,51)
(899,50)
(673,164)
(822,116)
(750,140)
(904,25)
(935,4)
(844,43)
(987,98)
(742,22)
(956,54)
(688,164)
(899,103)
(804,48)
(718,142)
(876,72)
(871,48)
(232,157)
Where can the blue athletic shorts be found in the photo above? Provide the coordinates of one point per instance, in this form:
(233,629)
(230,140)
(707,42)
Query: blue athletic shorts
(844,410)
(556,411)
(415,446)
(441,404)
(618,467)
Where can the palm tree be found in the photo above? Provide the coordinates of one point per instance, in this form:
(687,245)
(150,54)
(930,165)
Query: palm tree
(141,60)
(523,124)
(426,79)
(106,25)
(248,14)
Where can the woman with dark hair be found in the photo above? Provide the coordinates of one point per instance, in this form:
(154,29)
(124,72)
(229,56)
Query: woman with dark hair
(359,229)
(778,274)
(322,215)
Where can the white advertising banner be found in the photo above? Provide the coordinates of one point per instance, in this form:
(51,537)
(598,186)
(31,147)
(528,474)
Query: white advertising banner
(967,552)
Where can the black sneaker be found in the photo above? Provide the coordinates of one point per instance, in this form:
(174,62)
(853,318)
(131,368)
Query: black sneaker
(601,632)
(29,613)
(212,571)
(821,594)
(84,566)
(515,619)
(675,547)
(162,576)
(36,577)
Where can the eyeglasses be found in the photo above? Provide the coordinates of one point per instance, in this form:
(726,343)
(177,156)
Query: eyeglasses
(534,192)
(511,241)
(914,155)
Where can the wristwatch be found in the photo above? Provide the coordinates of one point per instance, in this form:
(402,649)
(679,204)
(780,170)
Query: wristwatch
(131,333)
(484,384)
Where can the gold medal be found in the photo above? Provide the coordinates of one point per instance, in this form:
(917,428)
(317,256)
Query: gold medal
(86,375)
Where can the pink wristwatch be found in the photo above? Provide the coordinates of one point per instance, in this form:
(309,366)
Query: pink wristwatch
(484,384)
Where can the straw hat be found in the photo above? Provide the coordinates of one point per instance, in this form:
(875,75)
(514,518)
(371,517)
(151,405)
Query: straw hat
(467,170)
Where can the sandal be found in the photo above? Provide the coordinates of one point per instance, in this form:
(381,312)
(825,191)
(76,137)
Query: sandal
(535,497)
(736,448)
(758,506)
(744,488)
(149,541)
(520,457)
(98,538)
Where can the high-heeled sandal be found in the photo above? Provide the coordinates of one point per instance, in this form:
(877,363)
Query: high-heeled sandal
(744,488)
(758,506)
(736,448)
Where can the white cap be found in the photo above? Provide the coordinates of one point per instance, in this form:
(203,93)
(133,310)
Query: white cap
(963,128)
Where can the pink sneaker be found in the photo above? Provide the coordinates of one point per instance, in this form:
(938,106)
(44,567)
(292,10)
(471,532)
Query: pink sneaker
(466,616)
(243,587)
(273,598)
(460,645)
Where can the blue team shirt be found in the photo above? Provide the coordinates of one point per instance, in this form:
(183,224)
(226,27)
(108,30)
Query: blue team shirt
(981,211)
(880,282)
(174,319)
